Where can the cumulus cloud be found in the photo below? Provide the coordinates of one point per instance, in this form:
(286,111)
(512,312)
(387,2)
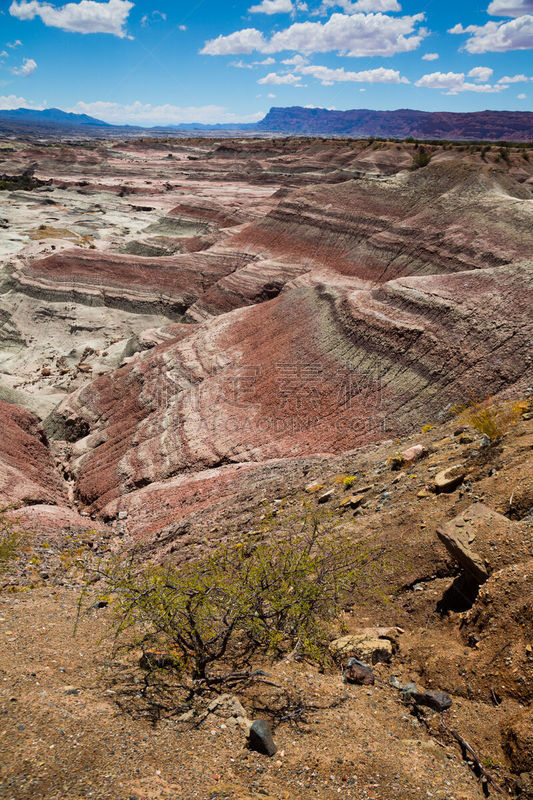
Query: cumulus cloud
(296,61)
(358,35)
(498,37)
(155,16)
(510,8)
(329,76)
(430,57)
(454,82)
(26,69)
(272,7)
(12,101)
(138,113)
(12,45)
(361,5)
(275,78)
(514,79)
(481,74)
(521,96)
(86,16)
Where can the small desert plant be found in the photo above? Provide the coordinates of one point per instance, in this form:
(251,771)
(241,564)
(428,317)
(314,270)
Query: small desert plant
(9,539)
(492,419)
(269,598)
(421,158)
(348,481)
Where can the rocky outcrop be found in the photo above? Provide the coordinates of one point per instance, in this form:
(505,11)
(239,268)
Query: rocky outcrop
(166,286)
(313,370)
(444,218)
(27,469)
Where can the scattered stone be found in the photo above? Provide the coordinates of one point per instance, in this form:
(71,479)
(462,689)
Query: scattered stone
(354,501)
(457,541)
(314,487)
(123,515)
(413,453)
(260,738)
(369,646)
(449,479)
(359,673)
(326,496)
(438,701)
(466,439)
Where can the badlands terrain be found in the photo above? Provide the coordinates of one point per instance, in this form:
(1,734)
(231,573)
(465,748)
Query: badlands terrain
(200,341)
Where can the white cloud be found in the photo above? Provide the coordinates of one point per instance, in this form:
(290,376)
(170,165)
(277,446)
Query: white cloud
(273,7)
(521,96)
(146,114)
(498,37)
(296,61)
(154,16)
(454,82)
(272,96)
(240,64)
(266,62)
(514,79)
(86,16)
(361,5)
(4,54)
(26,69)
(329,76)
(430,57)
(12,45)
(357,35)
(510,8)
(12,101)
(182,27)
(275,78)
(482,74)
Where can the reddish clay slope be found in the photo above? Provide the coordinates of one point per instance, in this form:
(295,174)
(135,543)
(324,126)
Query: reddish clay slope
(27,470)
(315,370)
(444,218)
(163,285)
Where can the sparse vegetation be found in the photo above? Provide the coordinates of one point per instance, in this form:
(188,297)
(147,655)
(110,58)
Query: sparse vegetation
(492,419)
(421,158)
(9,539)
(269,598)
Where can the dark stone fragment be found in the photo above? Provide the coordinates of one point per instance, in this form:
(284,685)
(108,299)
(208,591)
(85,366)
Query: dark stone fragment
(438,701)
(260,738)
(359,673)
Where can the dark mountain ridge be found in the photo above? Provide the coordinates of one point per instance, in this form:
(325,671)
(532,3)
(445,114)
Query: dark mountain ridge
(294,121)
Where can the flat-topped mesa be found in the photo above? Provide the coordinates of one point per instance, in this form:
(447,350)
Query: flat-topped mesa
(27,470)
(164,285)
(314,370)
(444,218)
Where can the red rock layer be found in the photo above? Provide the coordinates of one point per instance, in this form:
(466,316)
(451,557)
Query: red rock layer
(27,470)
(444,218)
(167,285)
(314,370)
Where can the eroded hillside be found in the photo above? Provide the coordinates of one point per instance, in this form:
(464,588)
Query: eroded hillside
(195,334)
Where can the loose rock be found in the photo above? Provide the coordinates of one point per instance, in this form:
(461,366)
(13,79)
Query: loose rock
(260,738)
(359,673)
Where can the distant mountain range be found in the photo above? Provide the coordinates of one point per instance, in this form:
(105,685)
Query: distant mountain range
(295,121)
(492,125)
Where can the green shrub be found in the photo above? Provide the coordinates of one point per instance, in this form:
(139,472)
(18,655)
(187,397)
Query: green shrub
(9,539)
(421,158)
(269,598)
(492,419)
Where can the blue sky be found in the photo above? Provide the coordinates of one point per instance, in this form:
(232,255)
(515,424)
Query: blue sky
(213,61)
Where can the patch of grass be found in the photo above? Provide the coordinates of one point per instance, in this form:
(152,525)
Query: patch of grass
(492,419)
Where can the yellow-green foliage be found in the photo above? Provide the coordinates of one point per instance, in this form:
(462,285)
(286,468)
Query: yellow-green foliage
(427,428)
(9,539)
(492,419)
(349,481)
(267,597)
